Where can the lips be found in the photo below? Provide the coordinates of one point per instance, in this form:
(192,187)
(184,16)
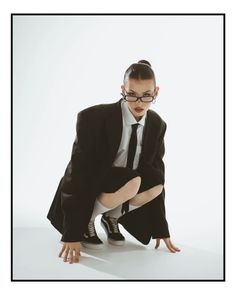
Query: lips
(138,109)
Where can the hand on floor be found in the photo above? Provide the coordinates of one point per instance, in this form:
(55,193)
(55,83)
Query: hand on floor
(168,243)
(73,249)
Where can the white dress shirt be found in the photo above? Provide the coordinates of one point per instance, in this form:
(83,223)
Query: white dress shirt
(128,120)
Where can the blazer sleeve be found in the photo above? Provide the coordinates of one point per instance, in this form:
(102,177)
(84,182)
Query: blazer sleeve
(160,224)
(76,189)
(158,163)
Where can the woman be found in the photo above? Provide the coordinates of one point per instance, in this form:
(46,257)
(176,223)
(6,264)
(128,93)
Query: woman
(116,169)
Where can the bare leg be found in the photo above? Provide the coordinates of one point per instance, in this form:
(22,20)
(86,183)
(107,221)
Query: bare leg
(126,192)
(146,196)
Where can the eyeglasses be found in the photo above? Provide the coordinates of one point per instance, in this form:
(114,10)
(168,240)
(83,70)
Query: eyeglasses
(132,98)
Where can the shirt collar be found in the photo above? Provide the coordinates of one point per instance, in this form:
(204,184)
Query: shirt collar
(128,117)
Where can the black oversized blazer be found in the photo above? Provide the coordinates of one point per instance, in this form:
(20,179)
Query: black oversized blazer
(98,136)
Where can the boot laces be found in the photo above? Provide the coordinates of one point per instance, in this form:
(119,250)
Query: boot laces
(114,224)
(91,229)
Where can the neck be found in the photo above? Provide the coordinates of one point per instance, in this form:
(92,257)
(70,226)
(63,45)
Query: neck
(138,118)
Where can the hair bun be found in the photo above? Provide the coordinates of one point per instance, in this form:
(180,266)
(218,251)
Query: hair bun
(143,61)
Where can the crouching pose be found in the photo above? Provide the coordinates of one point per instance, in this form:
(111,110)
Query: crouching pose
(117,170)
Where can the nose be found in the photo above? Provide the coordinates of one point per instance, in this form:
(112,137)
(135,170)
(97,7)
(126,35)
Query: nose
(139,102)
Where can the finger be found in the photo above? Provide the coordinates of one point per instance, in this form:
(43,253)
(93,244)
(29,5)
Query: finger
(77,254)
(76,259)
(62,250)
(71,256)
(66,254)
(157,243)
(174,247)
(169,246)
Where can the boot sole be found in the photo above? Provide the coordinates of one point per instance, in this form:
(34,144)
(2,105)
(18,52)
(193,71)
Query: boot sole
(92,246)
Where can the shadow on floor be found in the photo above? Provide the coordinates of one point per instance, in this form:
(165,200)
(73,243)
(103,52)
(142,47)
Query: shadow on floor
(35,256)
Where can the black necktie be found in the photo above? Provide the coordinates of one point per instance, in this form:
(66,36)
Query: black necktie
(130,158)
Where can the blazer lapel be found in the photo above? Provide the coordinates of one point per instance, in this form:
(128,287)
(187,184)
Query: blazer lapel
(148,142)
(114,127)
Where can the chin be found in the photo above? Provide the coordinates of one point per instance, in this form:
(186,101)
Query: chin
(138,115)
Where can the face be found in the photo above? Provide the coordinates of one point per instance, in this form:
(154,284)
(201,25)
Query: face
(139,88)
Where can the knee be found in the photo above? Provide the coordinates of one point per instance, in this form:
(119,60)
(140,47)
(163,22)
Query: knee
(133,185)
(157,190)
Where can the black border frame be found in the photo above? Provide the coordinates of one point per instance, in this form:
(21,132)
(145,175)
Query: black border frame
(11,124)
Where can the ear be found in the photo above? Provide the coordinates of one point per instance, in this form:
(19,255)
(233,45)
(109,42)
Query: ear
(122,87)
(156,90)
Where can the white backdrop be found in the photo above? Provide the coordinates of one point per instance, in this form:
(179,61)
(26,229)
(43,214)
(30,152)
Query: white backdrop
(62,64)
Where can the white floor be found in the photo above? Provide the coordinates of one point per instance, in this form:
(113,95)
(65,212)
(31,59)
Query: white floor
(35,257)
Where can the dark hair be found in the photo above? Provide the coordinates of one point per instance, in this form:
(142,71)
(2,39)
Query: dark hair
(140,71)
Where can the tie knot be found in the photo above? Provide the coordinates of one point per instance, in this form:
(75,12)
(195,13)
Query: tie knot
(135,126)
